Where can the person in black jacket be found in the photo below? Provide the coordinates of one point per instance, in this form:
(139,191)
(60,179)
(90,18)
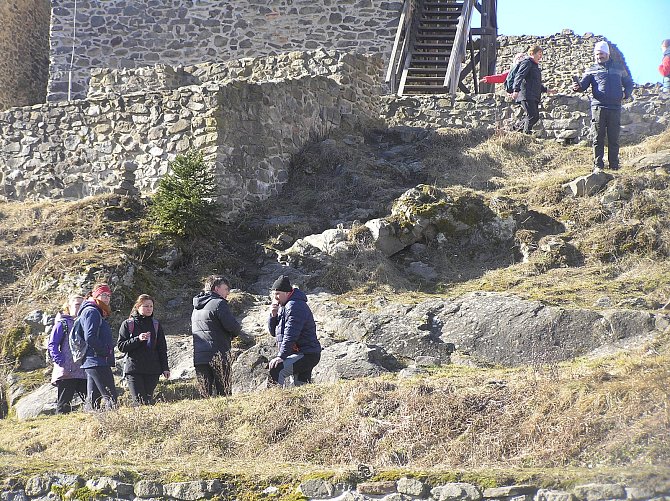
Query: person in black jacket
(528,87)
(213,327)
(142,339)
(610,83)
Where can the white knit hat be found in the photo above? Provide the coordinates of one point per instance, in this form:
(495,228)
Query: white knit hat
(601,47)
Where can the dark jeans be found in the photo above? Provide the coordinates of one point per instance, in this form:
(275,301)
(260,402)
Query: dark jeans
(67,388)
(605,121)
(299,365)
(142,387)
(214,378)
(532,114)
(100,389)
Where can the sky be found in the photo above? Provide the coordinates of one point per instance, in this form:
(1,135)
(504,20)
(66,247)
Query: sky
(636,27)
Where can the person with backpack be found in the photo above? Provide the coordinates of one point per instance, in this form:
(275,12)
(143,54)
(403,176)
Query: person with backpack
(67,375)
(528,87)
(99,357)
(142,339)
(664,67)
(506,77)
(213,327)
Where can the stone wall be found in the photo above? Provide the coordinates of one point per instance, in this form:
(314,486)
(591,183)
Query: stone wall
(565,117)
(24,52)
(564,54)
(129,34)
(247,129)
(46,486)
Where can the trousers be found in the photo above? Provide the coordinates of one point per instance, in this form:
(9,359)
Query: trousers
(605,122)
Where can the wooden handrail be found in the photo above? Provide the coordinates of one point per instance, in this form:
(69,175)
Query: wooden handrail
(400,44)
(453,74)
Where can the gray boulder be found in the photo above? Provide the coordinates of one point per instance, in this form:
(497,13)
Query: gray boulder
(588,185)
(40,401)
(250,368)
(351,360)
(652,161)
(504,329)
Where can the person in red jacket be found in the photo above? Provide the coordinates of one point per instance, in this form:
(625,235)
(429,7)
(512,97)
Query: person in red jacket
(664,67)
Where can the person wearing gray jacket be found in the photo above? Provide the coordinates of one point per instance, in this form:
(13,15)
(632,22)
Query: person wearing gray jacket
(213,327)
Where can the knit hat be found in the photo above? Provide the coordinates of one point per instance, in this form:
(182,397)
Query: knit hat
(101,289)
(601,47)
(282,284)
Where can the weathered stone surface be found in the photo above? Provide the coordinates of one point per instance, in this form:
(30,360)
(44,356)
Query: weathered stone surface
(40,401)
(317,488)
(376,488)
(191,491)
(599,492)
(148,489)
(651,161)
(411,486)
(588,185)
(510,490)
(351,360)
(24,58)
(553,495)
(456,491)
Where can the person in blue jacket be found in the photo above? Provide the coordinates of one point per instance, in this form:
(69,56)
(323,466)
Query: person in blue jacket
(67,375)
(213,327)
(100,352)
(292,324)
(609,83)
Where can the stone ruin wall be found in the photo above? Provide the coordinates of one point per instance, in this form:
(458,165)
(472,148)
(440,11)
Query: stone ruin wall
(565,116)
(121,34)
(247,129)
(58,485)
(24,52)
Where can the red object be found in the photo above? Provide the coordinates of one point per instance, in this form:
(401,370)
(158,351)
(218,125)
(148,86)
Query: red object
(494,79)
(101,290)
(664,68)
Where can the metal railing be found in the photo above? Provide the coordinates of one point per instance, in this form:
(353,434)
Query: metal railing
(452,78)
(401,45)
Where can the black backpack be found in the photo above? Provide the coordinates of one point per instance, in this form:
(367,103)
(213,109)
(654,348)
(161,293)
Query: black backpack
(509,79)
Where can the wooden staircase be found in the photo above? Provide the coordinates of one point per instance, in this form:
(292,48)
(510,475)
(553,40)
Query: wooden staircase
(435,33)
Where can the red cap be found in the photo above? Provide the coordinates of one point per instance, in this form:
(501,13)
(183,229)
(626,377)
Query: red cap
(101,289)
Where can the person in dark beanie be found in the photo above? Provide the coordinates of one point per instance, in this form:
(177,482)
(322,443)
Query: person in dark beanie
(292,324)
(213,327)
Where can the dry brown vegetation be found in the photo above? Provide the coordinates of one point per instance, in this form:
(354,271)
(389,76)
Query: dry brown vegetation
(570,422)
(583,420)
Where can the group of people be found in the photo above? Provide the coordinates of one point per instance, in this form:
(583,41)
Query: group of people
(213,326)
(609,82)
(142,339)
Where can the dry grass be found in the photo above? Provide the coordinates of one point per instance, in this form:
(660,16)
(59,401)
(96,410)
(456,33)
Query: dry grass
(613,414)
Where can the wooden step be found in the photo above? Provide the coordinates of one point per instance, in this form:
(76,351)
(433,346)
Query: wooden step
(425,80)
(419,89)
(433,45)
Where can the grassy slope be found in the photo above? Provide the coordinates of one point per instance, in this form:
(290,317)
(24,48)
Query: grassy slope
(581,420)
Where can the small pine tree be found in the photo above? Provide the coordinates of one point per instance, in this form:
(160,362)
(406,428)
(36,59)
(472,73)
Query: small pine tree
(184,204)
